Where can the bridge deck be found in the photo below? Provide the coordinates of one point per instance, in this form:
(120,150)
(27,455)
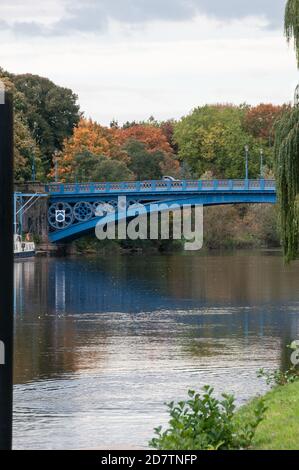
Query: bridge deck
(160,186)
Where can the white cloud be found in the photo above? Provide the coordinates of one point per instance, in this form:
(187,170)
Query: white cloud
(45,12)
(65,17)
(162,68)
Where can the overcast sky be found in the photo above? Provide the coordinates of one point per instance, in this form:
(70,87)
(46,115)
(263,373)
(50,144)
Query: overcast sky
(129,59)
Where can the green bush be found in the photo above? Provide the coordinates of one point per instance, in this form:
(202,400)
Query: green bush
(278,377)
(205,423)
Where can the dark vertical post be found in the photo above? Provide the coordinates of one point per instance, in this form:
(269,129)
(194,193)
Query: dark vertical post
(6,270)
(262,163)
(246,162)
(33,167)
(56,169)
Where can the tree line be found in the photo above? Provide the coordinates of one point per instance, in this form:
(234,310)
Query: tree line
(54,141)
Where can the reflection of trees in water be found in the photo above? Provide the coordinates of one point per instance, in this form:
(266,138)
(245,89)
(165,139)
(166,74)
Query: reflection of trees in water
(242,334)
(205,347)
(241,277)
(207,304)
(237,279)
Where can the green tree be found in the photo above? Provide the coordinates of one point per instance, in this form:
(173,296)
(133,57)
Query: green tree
(45,112)
(212,139)
(291,24)
(287,152)
(90,167)
(51,112)
(144,164)
(26,150)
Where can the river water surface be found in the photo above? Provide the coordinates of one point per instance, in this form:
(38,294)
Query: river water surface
(102,343)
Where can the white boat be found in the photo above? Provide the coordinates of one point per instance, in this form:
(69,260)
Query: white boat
(23,249)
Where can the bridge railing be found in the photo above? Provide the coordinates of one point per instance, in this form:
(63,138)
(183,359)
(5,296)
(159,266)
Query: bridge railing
(160,186)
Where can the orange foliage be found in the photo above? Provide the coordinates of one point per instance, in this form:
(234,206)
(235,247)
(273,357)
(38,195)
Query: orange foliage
(259,120)
(152,136)
(155,139)
(90,137)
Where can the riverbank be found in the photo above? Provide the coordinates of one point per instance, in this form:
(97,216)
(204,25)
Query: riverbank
(280,428)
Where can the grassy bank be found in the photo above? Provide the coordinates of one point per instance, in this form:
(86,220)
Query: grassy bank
(280,428)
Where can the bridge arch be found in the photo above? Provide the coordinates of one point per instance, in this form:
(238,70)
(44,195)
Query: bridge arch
(251,193)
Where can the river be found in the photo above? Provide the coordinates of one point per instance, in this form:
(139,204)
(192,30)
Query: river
(101,343)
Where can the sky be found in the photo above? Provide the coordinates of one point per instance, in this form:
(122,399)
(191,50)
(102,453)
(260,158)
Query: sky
(132,59)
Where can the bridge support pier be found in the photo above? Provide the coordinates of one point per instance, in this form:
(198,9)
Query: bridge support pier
(35,221)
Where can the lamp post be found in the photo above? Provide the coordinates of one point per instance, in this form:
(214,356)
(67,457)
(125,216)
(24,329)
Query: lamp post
(56,165)
(246,148)
(6,270)
(262,163)
(33,171)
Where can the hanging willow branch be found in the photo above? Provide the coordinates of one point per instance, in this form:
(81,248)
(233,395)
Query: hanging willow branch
(286,151)
(287,176)
(291,24)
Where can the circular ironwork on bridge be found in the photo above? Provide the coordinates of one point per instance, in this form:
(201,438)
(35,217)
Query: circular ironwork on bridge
(60,215)
(102,208)
(113,203)
(98,207)
(83,211)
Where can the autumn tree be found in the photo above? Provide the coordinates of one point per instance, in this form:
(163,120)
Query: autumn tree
(155,142)
(167,128)
(259,121)
(151,136)
(90,137)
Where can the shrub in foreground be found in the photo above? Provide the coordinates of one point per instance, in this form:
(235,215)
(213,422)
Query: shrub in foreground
(204,422)
(278,377)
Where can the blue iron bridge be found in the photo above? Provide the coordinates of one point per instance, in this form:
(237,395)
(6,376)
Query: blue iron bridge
(73,208)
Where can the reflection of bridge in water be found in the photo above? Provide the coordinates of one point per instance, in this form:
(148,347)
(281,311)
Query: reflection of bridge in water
(78,202)
(203,311)
(204,284)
